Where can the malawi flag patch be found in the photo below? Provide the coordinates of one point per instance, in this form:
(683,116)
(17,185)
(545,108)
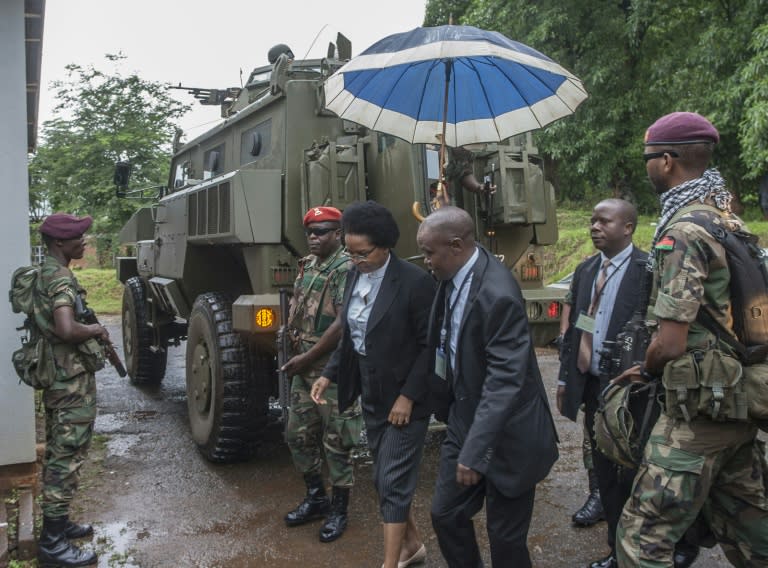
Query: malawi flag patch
(667,243)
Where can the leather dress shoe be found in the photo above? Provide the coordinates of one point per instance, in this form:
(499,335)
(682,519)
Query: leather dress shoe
(685,554)
(607,562)
(591,512)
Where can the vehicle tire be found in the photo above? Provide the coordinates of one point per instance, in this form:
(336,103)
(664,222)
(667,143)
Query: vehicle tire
(227,396)
(144,365)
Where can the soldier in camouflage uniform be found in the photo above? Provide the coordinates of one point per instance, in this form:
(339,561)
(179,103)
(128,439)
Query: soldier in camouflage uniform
(717,468)
(314,431)
(70,402)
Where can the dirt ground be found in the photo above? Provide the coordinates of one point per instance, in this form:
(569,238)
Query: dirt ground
(155,502)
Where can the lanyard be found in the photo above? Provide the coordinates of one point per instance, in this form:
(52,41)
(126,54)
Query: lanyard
(598,293)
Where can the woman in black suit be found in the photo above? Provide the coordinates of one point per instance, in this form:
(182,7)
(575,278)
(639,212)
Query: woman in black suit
(382,357)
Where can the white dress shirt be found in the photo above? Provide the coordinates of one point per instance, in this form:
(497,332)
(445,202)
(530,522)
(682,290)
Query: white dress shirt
(614,275)
(462,281)
(361,302)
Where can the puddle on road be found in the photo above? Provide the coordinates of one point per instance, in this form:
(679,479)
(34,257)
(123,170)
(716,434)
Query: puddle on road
(118,445)
(112,545)
(108,423)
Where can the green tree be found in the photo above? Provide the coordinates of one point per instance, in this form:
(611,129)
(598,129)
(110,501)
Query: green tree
(753,130)
(100,118)
(638,60)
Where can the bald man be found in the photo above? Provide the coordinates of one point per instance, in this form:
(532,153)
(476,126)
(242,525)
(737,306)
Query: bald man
(501,438)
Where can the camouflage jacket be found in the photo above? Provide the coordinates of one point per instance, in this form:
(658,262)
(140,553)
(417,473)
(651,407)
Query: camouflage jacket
(690,270)
(57,287)
(318,292)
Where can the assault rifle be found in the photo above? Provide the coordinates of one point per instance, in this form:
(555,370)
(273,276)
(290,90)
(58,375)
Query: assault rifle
(86,315)
(632,342)
(283,355)
(626,413)
(627,350)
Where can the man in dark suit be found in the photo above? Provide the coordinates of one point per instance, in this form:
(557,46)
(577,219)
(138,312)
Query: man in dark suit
(501,439)
(606,290)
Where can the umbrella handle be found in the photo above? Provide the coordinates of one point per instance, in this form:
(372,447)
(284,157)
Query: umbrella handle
(416,210)
(440,199)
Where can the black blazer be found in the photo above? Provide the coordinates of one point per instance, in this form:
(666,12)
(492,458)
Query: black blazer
(395,341)
(499,415)
(628,300)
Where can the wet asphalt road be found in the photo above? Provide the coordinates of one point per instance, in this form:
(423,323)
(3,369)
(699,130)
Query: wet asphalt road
(155,502)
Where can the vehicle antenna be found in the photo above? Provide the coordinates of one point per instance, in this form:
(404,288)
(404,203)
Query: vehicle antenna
(311,45)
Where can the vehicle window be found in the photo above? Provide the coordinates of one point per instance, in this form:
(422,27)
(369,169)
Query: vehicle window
(213,162)
(256,142)
(181,175)
(433,164)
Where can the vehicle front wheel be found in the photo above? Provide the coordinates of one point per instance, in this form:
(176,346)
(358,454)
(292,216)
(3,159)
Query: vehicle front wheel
(226,413)
(144,361)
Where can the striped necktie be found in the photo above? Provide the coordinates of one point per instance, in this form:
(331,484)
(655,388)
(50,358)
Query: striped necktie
(584,359)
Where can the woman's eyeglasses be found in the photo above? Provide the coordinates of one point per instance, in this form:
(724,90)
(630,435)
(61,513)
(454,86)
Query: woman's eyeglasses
(359,257)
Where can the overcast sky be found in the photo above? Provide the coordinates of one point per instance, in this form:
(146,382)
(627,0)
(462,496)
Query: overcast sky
(206,43)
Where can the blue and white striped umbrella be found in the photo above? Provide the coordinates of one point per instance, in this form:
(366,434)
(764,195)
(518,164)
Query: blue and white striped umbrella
(495,87)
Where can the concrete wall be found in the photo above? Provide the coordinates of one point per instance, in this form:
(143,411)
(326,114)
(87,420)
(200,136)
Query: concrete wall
(17,417)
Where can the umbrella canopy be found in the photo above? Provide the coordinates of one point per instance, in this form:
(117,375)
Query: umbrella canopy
(477,85)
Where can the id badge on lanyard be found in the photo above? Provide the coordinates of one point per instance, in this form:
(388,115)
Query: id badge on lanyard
(441,363)
(585,323)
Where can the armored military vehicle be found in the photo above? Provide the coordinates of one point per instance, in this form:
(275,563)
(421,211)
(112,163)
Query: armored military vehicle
(223,238)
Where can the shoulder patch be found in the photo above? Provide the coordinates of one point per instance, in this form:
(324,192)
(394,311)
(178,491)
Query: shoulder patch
(666,243)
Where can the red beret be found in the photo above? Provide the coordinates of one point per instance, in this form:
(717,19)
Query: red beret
(320,214)
(65,226)
(681,128)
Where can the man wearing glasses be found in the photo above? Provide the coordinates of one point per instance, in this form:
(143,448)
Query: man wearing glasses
(314,431)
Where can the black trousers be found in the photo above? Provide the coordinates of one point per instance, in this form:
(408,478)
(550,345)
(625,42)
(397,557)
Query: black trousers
(614,481)
(454,505)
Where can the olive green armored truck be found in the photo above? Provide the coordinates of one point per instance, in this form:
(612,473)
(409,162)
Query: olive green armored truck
(214,250)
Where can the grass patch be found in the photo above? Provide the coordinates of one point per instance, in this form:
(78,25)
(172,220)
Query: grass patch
(574,244)
(105,291)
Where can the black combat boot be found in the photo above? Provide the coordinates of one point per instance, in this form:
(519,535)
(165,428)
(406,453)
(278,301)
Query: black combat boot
(336,521)
(72,530)
(685,554)
(314,506)
(592,510)
(54,550)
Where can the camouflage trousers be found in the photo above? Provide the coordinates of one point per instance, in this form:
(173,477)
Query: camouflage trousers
(316,431)
(68,437)
(716,468)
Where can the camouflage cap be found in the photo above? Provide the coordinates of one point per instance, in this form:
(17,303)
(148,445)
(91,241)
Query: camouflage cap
(320,214)
(681,128)
(65,226)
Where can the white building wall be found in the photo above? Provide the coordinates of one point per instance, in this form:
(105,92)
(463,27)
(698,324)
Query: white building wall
(17,417)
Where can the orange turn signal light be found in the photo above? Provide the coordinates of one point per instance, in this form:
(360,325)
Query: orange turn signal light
(265,317)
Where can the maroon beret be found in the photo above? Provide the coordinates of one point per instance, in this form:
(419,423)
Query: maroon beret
(320,214)
(681,128)
(65,226)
